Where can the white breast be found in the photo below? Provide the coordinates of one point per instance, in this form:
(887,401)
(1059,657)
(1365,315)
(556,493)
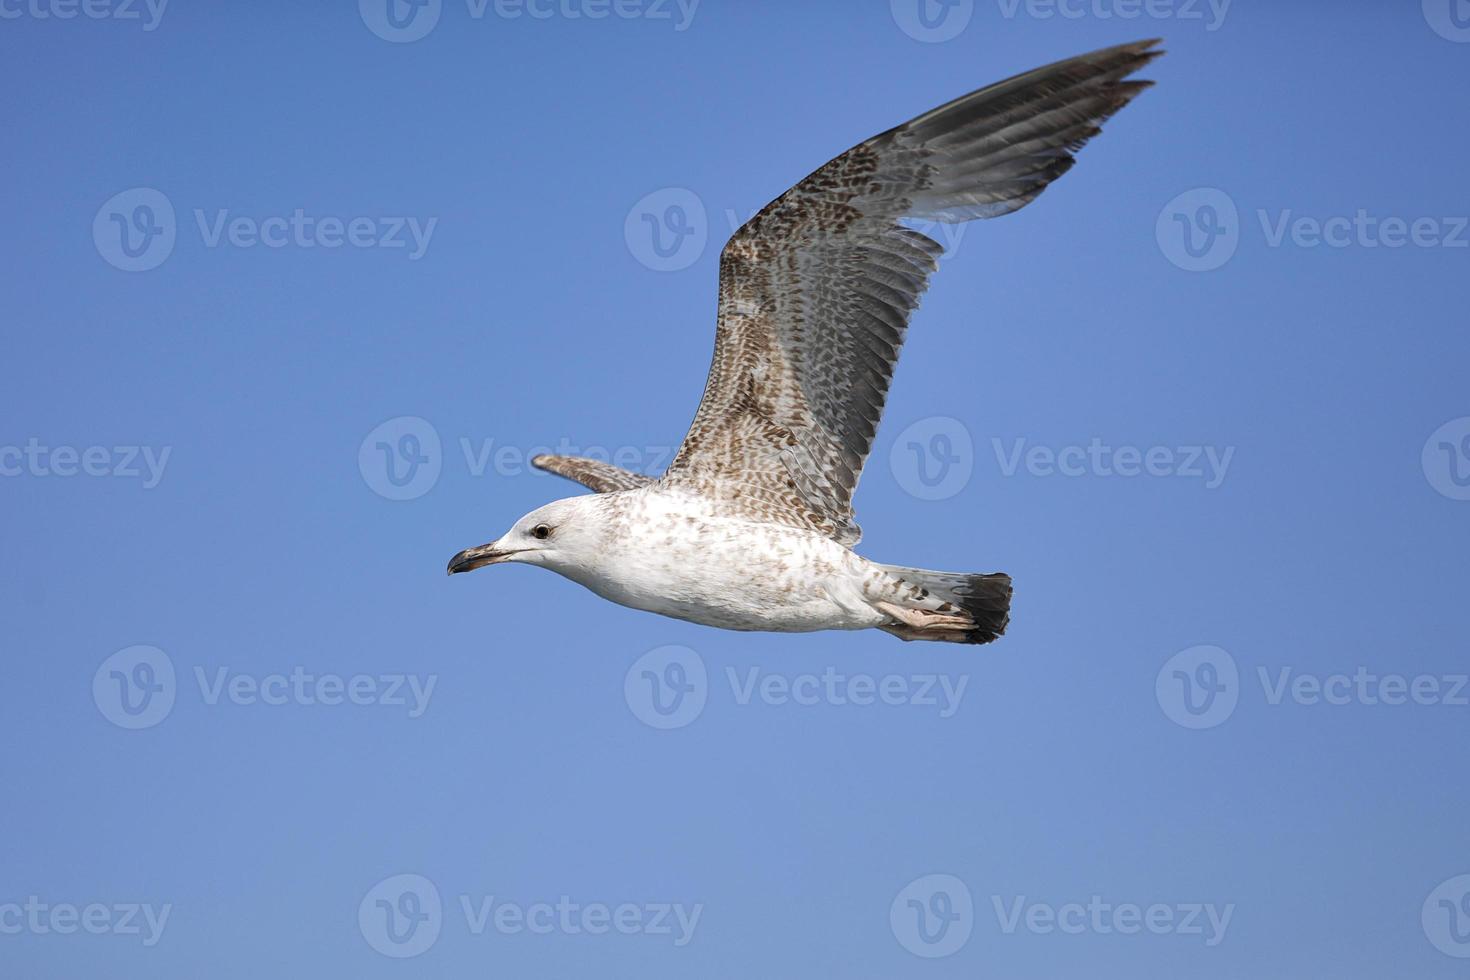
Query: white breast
(672,554)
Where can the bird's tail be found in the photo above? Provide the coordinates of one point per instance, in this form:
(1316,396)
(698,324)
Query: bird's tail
(952,607)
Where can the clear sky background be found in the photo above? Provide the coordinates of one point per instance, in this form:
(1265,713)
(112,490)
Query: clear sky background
(1080,759)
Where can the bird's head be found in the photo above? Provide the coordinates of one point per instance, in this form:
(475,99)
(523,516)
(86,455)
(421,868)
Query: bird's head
(562,534)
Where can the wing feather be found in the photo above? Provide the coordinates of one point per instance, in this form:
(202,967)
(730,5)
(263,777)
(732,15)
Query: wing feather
(817,289)
(593,473)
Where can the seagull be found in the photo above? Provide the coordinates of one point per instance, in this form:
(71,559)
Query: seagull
(751,526)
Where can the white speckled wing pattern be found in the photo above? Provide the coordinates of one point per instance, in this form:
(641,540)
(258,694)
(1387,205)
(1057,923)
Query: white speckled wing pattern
(816,290)
(592,473)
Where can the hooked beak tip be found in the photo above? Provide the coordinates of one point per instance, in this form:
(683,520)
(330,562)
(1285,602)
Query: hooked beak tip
(472,558)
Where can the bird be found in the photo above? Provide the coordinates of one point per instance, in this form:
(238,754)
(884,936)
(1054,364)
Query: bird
(751,525)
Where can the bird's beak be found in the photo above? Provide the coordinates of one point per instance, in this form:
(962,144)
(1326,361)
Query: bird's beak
(472,558)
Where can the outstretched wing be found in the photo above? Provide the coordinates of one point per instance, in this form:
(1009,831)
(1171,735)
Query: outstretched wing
(816,290)
(599,476)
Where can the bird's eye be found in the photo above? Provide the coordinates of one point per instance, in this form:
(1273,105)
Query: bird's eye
(541,531)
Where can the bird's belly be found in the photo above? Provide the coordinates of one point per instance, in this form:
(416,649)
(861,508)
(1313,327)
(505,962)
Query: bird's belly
(743,578)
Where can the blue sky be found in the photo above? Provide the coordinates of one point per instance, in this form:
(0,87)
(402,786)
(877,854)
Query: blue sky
(1205,400)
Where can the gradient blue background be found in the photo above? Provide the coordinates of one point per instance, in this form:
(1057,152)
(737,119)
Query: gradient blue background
(529,320)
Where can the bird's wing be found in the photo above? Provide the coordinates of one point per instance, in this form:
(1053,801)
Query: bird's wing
(595,474)
(816,290)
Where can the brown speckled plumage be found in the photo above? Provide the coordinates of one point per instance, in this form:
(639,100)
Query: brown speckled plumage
(816,290)
(752,525)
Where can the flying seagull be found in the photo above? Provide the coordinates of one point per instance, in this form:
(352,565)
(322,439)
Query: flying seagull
(751,527)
